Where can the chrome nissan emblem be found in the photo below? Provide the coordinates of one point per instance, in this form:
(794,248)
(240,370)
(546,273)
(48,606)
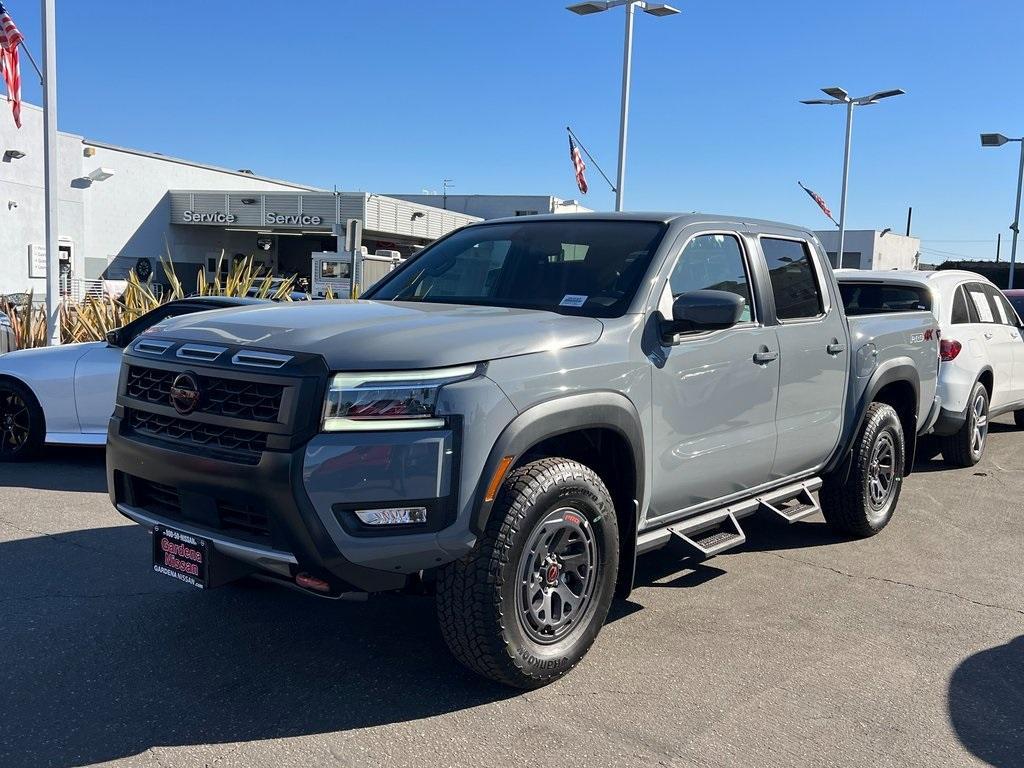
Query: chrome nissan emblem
(185,393)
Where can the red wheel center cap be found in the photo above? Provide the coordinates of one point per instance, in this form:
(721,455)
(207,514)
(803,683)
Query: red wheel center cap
(552,575)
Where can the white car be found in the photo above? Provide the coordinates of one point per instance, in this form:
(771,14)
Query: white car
(981,372)
(65,394)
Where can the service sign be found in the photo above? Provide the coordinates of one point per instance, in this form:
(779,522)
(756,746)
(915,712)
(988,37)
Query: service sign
(37,261)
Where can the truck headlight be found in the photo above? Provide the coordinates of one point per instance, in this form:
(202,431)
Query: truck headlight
(388,400)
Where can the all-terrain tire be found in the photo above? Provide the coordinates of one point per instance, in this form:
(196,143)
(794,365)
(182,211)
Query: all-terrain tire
(966,447)
(22,425)
(483,600)
(863,504)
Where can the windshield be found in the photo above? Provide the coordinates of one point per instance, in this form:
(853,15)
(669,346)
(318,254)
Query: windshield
(573,267)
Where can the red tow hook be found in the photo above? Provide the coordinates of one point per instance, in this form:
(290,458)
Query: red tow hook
(312,582)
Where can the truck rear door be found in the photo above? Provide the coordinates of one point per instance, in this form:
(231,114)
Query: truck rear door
(813,354)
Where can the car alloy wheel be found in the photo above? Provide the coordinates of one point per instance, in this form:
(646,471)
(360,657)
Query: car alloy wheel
(881,473)
(979,421)
(557,572)
(15,423)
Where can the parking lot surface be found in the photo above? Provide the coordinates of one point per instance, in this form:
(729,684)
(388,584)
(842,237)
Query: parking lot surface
(797,649)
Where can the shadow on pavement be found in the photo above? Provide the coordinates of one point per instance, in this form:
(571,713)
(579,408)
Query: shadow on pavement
(986,704)
(59,469)
(103,659)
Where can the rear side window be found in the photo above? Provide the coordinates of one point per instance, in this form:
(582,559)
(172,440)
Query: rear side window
(879,298)
(960,315)
(1000,306)
(978,301)
(794,283)
(713,262)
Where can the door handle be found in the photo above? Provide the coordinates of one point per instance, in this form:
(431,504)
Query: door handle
(835,347)
(988,335)
(764,356)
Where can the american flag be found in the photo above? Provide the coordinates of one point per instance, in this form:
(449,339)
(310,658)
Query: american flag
(821,203)
(10,39)
(578,165)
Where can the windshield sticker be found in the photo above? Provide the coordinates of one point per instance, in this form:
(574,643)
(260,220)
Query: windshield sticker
(572,300)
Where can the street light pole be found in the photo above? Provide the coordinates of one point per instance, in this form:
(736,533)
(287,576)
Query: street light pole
(654,9)
(846,181)
(997,140)
(627,67)
(840,96)
(1016,216)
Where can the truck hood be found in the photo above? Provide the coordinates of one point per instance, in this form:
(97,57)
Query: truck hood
(369,335)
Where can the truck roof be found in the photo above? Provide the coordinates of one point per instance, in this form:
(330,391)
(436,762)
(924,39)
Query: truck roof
(664,217)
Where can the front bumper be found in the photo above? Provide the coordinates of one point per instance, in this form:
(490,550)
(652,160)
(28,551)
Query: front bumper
(299,536)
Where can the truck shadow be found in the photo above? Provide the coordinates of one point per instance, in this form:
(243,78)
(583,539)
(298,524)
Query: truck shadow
(986,699)
(103,659)
(59,469)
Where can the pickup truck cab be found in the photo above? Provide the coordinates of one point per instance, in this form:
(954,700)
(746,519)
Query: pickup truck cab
(516,413)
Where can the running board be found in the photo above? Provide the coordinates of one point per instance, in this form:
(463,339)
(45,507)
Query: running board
(791,502)
(708,537)
(802,505)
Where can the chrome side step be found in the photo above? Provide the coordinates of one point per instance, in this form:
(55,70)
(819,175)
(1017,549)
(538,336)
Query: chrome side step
(709,533)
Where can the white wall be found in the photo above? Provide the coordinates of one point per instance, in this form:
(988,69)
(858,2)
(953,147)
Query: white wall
(495,206)
(117,220)
(22,206)
(876,251)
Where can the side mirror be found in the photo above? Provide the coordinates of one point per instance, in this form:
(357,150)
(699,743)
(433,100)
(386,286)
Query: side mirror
(115,338)
(698,311)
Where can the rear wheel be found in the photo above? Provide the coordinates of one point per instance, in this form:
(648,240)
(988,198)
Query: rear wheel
(527,603)
(22,427)
(966,447)
(865,502)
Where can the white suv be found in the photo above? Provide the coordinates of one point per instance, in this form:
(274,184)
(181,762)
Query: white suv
(981,373)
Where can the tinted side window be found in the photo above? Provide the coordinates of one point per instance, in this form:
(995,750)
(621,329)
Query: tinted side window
(877,298)
(960,315)
(1003,311)
(713,262)
(794,284)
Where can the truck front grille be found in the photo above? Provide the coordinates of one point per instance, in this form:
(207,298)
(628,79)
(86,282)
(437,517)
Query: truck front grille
(234,444)
(234,398)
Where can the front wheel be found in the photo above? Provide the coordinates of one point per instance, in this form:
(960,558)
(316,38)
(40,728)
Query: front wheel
(22,426)
(527,603)
(864,503)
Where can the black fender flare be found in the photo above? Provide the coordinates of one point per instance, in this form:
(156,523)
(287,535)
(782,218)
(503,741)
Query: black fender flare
(559,416)
(899,369)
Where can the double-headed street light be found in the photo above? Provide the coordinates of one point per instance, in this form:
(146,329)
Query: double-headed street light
(997,140)
(654,9)
(839,96)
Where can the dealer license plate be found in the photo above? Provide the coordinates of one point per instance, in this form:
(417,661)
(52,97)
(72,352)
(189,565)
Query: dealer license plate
(181,556)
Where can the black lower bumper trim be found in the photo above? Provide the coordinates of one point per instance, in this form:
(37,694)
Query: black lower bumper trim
(273,484)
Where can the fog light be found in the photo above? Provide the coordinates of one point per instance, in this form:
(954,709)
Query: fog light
(392,516)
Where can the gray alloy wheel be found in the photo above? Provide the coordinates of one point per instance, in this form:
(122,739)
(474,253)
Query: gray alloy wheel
(881,476)
(979,425)
(556,572)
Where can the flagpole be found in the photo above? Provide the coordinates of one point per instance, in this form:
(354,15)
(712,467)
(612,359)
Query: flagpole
(50,169)
(592,160)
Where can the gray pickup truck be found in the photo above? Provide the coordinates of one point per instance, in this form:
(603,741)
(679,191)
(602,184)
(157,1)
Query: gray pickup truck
(514,415)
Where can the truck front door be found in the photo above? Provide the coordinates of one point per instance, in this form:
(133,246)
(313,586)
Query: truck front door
(714,393)
(814,355)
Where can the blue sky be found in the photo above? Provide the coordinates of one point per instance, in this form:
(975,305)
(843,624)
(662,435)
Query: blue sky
(395,96)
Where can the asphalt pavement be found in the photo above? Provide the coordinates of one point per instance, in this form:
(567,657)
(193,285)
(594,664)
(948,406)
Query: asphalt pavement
(799,649)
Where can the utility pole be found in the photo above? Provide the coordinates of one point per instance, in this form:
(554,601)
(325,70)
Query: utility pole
(910,218)
(999,244)
(50,171)
(445,184)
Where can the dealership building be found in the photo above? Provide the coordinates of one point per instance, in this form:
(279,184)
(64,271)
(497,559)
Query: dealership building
(124,209)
